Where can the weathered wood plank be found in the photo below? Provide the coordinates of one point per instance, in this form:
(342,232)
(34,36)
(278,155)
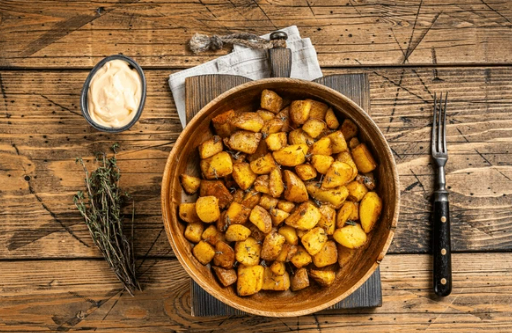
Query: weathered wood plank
(345,33)
(50,295)
(39,175)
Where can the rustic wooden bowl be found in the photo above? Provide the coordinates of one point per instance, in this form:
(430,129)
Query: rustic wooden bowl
(184,158)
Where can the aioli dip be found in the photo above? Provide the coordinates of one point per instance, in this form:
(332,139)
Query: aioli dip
(114,94)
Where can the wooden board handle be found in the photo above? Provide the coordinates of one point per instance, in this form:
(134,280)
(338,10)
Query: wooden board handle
(280,57)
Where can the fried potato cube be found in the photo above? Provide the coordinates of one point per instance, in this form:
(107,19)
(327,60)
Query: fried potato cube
(271,101)
(222,123)
(276,184)
(336,196)
(210,147)
(251,199)
(217,189)
(299,111)
(345,255)
(261,151)
(190,184)
(278,216)
(243,175)
(354,216)
(331,120)
(272,246)
(305,217)
(338,174)
(369,210)
(345,213)
(266,115)
(272,126)
(289,234)
(207,208)
(277,141)
(322,163)
(238,196)
(278,268)
(354,142)
(345,157)
(261,184)
(193,232)
(237,213)
(299,137)
(244,141)
(301,258)
(275,282)
(314,127)
(226,276)
(295,190)
(263,165)
(328,255)
(249,121)
(328,219)
(247,252)
(351,236)
(291,155)
(301,233)
(212,235)
(363,158)
(237,233)
(284,115)
(204,252)
(323,278)
(217,166)
(268,202)
(349,129)
(287,206)
(356,191)
(261,219)
(314,240)
(338,142)
(187,212)
(306,171)
(287,252)
(300,279)
(318,110)
(321,147)
(250,280)
(224,255)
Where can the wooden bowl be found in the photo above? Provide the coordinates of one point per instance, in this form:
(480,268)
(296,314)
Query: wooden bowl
(184,158)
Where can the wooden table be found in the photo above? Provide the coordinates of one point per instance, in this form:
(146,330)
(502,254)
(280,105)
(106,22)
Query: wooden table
(53,278)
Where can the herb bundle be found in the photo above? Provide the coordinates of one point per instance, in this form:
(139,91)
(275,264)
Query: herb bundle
(101,210)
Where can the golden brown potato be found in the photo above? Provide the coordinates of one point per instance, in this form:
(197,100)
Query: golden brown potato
(351,236)
(272,246)
(345,213)
(291,155)
(217,166)
(276,184)
(268,202)
(354,216)
(278,216)
(247,252)
(187,212)
(193,231)
(272,126)
(222,123)
(275,282)
(295,190)
(301,233)
(363,158)
(261,151)
(210,147)
(314,127)
(305,217)
(251,199)
(345,157)
(250,280)
(261,184)
(237,213)
(299,137)
(349,129)
(203,252)
(217,189)
(287,252)
(212,235)
(338,174)
(243,175)
(287,206)
(328,219)
(249,121)
(299,111)
(289,234)
(207,208)
(263,165)
(306,171)
(278,268)
(318,110)
(237,233)
(226,276)
(261,219)
(277,141)
(256,233)
(301,258)
(331,120)
(266,115)
(314,240)
(323,278)
(284,115)
(300,279)
(244,141)
(369,210)
(271,101)
(345,255)
(224,255)
(354,142)
(356,191)
(338,142)
(238,196)
(336,196)
(328,255)
(321,147)
(322,163)
(190,184)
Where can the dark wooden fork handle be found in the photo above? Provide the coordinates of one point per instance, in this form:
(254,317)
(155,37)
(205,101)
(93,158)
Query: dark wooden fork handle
(442,249)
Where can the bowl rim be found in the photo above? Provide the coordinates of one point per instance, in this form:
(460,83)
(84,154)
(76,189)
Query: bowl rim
(85,92)
(165,199)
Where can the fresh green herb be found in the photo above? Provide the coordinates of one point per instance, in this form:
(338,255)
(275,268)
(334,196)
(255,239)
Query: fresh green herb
(351,222)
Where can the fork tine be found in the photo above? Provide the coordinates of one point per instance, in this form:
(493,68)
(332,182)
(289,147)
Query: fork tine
(444,123)
(439,123)
(433,140)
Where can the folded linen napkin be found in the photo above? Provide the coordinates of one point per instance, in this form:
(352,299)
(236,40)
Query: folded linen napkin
(250,63)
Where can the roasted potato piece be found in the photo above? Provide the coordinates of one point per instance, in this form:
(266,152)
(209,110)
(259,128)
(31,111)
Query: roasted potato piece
(261,184)
(345,157)
(289,234)
(306,171)
(226,276)
(291,155)
(331,120)
(222,123)
(276,184)
(369,210)
(323,278)
(368,179)
(217,189)
(243,175)
(210,147)
(268,202)
(278,268)
(244,141)
(299,111)
(278,216)
(275,282)
(354,142)
(300,279)
(305,217)
(314,127)
(247,252)
(272,246)
(363,158)
(338,142)
(321,147)
(207,208)
(338,174)
(344,255)
(336,196)
(250,280)
(351,236)
(271,101)
(295,190)
(203,252)
(272,126)
(301,233)
(284,115)
(224,255)
(277,141)
(299,137)
(314,240)
(354,216)
(187,212)
(261,219)
(237,213)
(261,151)
(345,213)
(256,233)
(266,115)
(318,110)
(193,232)
(349,129)
(322,163)
(249,121)
(263,165)
(287,252)
(251,199)
(287,206)
(328,219)
(356,191)
(237,233)
(217,166)
(190,184)
(238,196)
(212,235)
(328,255)
(301,258)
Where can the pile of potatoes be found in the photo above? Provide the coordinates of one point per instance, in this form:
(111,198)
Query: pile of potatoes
(286,196)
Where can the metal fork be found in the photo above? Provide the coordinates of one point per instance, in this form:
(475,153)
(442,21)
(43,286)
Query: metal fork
(441,220)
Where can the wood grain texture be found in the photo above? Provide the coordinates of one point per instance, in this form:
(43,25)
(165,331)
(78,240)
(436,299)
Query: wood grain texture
(59,33)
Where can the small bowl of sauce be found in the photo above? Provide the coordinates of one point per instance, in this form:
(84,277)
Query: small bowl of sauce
(114,94)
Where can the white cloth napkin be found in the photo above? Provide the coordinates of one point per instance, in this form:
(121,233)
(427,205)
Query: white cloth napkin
(253,64)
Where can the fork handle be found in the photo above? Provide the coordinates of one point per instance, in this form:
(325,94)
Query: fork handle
(442,247)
